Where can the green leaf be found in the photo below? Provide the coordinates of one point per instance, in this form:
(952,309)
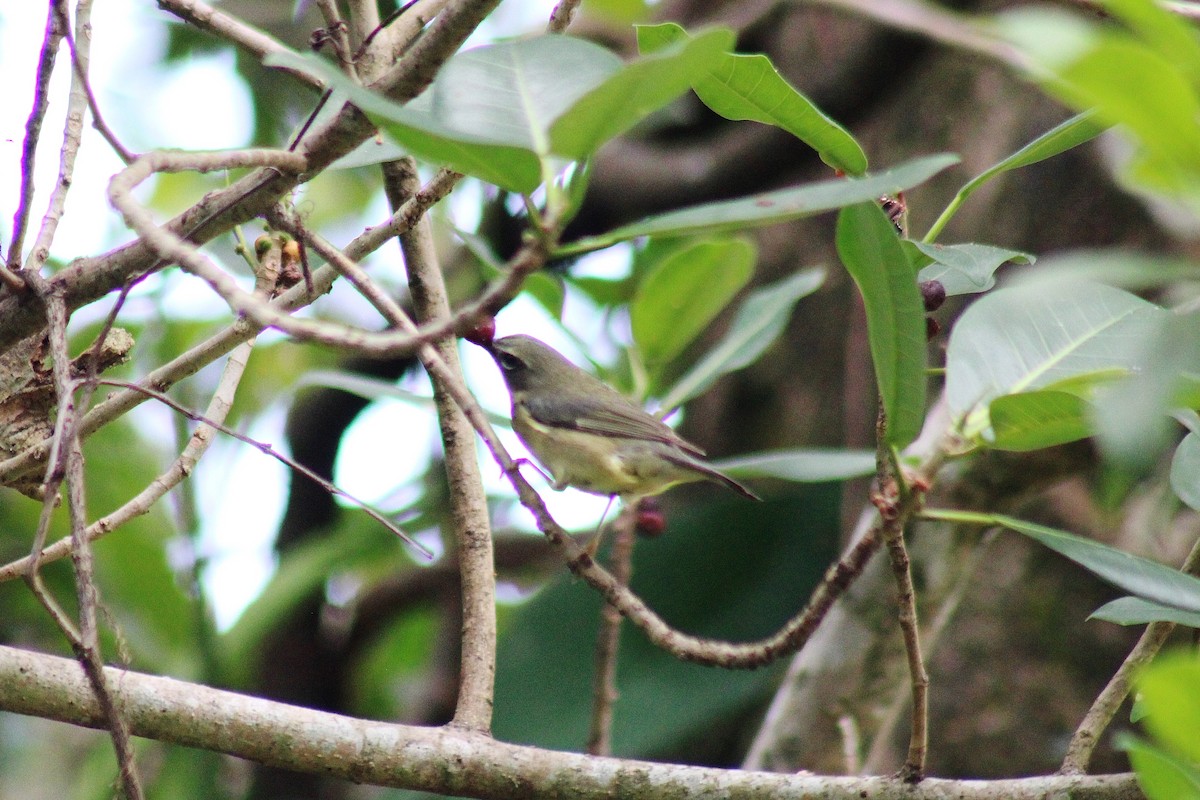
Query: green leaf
(1075,131)
(503,112)
(1131,417)
(489,143)
(1185,471)
(1142,85)
(870,249)
(756,325)
(1128,270)
(1161,775)
(1168,690)
(1033,420)
(1017,339)
(748,87)
(681,294)
(966,268)
(803,465)
(1167,33)
(1138,576)
(637,90)
(1136,611)
(771,207)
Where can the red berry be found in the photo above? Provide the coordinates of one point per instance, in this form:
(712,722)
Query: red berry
(481,332)
(932,328)
(650,521)
(933,293)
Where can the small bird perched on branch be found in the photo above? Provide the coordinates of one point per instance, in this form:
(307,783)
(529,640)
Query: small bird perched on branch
(587,434)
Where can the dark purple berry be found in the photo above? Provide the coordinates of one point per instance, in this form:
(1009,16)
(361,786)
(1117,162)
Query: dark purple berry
(933,293)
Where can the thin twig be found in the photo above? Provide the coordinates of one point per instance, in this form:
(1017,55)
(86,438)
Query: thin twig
(608,638)
(77,103)
(84,639)
(897,502)
(33,131)
(561,16)
(88,279)
(183,465)
(338,31)
(1104,707)
(266,449)
(172,248)
(232,29)
(80,56)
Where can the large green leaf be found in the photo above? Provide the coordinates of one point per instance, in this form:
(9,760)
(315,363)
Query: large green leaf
(1172,704)
(965,268)
(1123,268)
(803,465)
(503,112)
(681,294)
(1161,775)
(1185,471)
(771,207)
(756,325)
(637,90)
(1033,420)
(1169,34)
(870,249)
(491,146)
(1138,80)
(1138,576)
(1017,339)
(1137,611)
(1131,417)
(748,87)
(1072,133)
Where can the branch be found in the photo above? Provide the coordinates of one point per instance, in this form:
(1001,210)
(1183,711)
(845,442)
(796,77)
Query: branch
(89,279)
(218,345)
(897,502)
(468,502)
(1104,708)
(225,26)
(608,638)
(84,639)
(77,104)
(448,760)
(33,129)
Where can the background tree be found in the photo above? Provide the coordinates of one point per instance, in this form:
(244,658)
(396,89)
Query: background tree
(720,308)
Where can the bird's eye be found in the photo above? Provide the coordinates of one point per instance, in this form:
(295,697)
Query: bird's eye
(509,363)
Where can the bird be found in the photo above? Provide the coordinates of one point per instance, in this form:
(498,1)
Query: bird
(590,436)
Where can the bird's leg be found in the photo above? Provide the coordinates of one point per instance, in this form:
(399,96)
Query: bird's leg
(519,462)
(598,537)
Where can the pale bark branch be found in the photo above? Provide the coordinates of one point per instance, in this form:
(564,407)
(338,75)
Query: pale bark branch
(472,531)
(449,760)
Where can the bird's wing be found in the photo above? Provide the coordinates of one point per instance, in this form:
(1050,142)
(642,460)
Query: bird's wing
(607,419)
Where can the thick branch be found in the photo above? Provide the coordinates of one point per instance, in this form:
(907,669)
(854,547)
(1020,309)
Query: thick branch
(447,760)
